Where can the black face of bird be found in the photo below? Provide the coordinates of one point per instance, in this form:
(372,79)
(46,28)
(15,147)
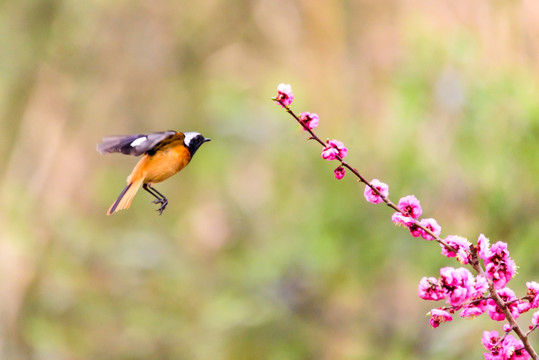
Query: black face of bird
(193,141)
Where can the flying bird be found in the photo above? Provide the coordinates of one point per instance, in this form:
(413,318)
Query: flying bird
(165,153)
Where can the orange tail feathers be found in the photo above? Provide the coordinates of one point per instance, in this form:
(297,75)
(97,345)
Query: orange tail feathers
(125,198)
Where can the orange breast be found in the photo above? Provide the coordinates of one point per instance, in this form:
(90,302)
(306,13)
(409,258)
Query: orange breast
(162,165)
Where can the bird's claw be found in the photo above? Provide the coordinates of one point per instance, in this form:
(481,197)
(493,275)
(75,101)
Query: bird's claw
(163,202)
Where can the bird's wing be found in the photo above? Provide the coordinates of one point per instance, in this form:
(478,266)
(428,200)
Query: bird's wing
(132,144)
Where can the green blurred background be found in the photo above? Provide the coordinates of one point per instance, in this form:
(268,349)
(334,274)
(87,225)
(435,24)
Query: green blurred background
(261,253)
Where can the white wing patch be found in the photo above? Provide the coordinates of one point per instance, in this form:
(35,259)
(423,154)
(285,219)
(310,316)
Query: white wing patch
(138,141)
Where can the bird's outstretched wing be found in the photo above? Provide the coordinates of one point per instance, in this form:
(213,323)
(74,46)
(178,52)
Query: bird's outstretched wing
(132,144)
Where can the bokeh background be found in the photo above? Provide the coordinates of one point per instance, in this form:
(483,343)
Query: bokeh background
(261,253)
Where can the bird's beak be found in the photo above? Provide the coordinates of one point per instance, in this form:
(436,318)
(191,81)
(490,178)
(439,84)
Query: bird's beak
(207,139)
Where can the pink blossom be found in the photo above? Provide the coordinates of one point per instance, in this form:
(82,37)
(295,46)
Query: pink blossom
(500,276)
(506,328)
(430,289)
(309,121)
(523,306)
(533,294)
(339,172)
(415,230)
(402,220)
(535,319)
(410,206)
(284,96)
(499,267)
(458,283)
(508,296)
(329,153)
(483,244)
(490,339)
(494,312)
(334,149)
(371,196)
(432,225)
(439,316)
(499,249)
(461,245)
(471,312)
(477,305)
(452,277)
(479,287)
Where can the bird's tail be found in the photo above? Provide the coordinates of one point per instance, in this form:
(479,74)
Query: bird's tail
(126,196)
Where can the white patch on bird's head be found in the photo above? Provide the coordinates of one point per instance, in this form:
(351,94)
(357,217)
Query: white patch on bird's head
(189,136)
(138,141)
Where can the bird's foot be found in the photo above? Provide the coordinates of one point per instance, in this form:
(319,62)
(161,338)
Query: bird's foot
(163,202)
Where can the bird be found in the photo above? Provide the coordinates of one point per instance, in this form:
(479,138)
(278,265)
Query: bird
(165,154)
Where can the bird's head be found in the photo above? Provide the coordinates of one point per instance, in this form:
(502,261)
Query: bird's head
(193,141)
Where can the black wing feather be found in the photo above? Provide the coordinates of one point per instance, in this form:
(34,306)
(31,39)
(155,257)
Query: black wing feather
(132,144)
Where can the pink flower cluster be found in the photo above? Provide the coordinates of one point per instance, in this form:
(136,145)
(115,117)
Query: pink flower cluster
(410,211)
(506,348)
(515,305)
(335,149)
(499,267)
(462,290)
(465,292)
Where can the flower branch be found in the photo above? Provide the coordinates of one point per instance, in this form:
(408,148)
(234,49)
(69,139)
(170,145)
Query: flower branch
(282,101)
(463,291)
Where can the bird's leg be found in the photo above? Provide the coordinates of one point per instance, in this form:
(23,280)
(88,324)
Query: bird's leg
(159,198)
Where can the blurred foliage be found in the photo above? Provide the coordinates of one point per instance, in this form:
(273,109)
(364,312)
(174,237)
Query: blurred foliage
(261,253)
